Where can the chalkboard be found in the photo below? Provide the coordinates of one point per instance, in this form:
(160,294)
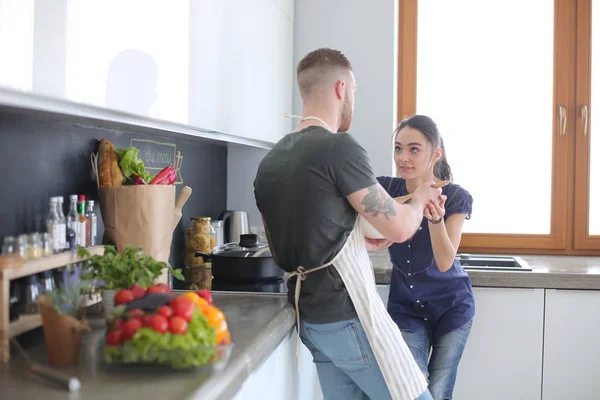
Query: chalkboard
(45,155)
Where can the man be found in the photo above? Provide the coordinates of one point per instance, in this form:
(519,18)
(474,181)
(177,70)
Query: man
(310,188)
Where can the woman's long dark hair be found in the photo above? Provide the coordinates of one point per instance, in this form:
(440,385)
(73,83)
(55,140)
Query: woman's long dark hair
(429,129)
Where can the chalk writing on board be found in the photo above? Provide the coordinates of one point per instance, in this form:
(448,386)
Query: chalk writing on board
(157,155)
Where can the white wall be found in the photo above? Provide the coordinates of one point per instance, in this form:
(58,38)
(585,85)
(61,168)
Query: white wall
(242,163)
(366,34)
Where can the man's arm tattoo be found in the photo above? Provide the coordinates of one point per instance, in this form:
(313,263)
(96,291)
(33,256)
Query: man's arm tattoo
(377,202)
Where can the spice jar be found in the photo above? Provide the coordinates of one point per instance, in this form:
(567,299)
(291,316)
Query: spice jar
(46,245)
(34,249)
(9,246)
(22,247)
(200,236)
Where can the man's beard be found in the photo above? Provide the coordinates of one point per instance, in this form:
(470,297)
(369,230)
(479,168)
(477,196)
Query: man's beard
(346,116)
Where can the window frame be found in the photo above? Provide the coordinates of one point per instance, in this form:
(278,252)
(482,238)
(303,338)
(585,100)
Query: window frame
(569,203)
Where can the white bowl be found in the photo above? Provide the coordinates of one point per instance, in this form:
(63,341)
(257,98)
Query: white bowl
(368,230)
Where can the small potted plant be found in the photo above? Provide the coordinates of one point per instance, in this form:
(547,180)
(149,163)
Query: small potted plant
(123,271)
(63,317)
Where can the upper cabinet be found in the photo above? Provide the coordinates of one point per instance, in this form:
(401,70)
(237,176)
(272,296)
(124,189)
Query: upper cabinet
(219,65)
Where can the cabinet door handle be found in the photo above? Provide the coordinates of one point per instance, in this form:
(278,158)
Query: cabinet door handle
(583,113)
(562,113)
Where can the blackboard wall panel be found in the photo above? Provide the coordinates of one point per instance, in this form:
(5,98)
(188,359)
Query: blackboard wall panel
(43,156)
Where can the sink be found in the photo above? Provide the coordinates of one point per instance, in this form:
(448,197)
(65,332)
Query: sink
(483,262)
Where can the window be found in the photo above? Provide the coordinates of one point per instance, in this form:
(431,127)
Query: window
(513,95)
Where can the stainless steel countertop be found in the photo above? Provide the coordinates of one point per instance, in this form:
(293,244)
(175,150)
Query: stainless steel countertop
(548,272)
(258,323)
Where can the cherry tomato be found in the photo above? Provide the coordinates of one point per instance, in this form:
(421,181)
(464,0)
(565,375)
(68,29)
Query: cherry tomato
(130,328)
(117,323)
(148,319)
(156,289)
(178,326)
(137,291)
(206,295)
(159,323)
(114,338)
(123,296)
(165,286)
(135,312)
(182,307)
(165,311)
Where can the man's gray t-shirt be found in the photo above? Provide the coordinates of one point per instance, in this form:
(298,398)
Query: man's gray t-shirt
(301,188)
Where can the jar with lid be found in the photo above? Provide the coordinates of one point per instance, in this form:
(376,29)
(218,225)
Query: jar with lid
(35,248)
(218,227)
(200,236)
(23,246)
(9,246)
(46,245)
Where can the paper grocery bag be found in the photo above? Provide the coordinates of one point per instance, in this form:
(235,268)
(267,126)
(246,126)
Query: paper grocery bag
(140,216)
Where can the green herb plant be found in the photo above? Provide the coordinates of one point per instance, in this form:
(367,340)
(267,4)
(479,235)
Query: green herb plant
(66,299)
(122,270)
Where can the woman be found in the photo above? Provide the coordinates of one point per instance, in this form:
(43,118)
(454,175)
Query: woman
(430,299)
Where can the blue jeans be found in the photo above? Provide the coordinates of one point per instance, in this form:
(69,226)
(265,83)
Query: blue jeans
(438,360)
(345,363)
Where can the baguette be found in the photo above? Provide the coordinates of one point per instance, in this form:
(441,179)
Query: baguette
(109,172)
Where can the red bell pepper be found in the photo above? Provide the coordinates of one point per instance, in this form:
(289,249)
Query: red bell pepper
(167,176)
(137,180)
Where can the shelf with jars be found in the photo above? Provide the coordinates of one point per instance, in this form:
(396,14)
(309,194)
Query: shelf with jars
(13,267)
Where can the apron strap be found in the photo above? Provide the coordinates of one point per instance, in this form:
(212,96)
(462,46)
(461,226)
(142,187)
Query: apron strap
(287,115)
(300,274)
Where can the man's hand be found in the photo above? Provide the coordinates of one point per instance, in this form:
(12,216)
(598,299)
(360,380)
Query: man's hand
(377,244)
(426,194)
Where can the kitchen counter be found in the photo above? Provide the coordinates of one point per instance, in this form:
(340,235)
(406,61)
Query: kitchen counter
(258,323)
(548,272)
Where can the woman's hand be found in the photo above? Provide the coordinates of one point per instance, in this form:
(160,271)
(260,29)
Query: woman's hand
(377,244)
(434,211)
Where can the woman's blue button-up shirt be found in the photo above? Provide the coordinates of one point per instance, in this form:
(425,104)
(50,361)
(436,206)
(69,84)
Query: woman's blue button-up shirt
(420,294)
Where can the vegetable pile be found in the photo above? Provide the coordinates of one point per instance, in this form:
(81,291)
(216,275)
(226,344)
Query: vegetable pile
(181,331)
(134,172)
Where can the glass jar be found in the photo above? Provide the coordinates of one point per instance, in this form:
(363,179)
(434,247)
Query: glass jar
(22,247)
(200,236)
(46,245)
(35,248)
(218,227)
(9,246)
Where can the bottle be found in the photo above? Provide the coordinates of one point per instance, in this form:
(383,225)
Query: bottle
(9,246)
(72,222)
(62,223)
(52,225)
(92,221)
(83,223)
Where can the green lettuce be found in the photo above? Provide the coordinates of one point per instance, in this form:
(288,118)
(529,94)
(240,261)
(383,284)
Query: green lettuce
(192,349)
(130,164)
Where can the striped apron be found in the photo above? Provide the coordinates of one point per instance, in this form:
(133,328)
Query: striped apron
(403,377)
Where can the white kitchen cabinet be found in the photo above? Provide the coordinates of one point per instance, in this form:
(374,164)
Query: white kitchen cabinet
(257,63)
(571,346)
(277,377)
(503,356)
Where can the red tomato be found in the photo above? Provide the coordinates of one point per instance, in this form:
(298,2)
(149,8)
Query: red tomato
(114,338)
(130,328)
(147,319)
(205,294)
(164,286)
(165,311)
(117,323)
(137,291)
(135,312)
(159,323)
(123,296)
(182,307)
(178,326)
(156,289)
